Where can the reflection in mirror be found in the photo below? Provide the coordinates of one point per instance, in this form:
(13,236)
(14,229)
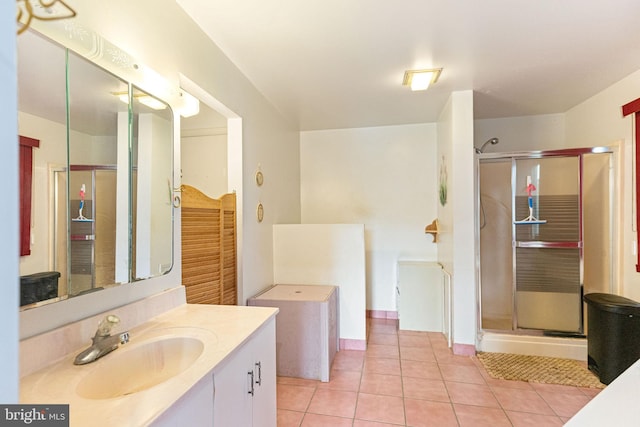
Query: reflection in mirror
(101,209)
(42,116)
(98,132)
(152,190)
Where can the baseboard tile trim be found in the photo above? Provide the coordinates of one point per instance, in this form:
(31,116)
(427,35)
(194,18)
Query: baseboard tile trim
(381,314)
(464,349)
(347,344)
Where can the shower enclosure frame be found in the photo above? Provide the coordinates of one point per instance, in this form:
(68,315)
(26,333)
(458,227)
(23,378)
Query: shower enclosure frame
(525,155)
(63,214)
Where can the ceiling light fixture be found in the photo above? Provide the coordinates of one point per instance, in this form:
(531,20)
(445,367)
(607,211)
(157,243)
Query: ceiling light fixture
(190,105)
(421,79)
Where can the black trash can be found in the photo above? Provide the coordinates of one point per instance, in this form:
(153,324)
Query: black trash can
(613,336)
(38,287)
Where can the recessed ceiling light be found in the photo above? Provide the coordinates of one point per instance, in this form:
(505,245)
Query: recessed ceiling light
(421,79)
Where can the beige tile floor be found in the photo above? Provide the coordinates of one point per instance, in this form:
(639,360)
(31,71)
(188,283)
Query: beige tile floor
(409,378)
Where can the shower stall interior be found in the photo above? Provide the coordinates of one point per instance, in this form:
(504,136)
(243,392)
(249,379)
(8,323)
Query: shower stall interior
(84,240)
(545,222)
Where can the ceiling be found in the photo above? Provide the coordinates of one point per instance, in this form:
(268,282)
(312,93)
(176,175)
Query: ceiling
(339,63)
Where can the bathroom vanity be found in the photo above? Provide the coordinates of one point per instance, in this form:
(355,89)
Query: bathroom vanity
(192,365)
(111,184)
(108,175)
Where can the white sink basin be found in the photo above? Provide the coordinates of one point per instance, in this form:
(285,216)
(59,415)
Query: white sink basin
(130,370)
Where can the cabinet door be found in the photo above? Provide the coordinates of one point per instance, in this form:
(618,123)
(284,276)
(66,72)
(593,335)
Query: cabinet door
(245,386)
(232,383)
(264,356)
(421,300)
(194,408)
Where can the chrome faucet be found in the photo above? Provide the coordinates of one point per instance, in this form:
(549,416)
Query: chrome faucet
(103,341)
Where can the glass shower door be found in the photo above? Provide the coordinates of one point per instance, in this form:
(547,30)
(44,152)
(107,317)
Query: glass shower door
(548,244)
(85,253)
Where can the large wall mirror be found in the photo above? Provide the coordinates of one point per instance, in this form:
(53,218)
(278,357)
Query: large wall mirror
(101,176)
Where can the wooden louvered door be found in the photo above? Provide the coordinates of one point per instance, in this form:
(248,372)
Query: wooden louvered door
(209,247)
(228,262)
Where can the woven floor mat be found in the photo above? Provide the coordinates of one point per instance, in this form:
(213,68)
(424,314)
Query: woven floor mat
(539,369)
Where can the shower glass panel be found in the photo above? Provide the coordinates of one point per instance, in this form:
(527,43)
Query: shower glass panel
(547,272)
(81,231)
(597,206)
(496,272)
(60,234)
(105,226)
(91,257)
(533,275)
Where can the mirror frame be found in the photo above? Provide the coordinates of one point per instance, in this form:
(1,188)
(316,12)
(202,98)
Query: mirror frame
(84,42)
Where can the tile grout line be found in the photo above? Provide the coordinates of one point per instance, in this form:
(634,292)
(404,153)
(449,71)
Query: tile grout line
(453,408)
(491,388)
(364,359)
(404,402)
(434,348)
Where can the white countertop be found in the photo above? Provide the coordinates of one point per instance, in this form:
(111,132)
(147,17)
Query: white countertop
(222,329)
(297,293)
(617,405)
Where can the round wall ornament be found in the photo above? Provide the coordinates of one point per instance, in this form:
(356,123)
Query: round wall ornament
(260,212)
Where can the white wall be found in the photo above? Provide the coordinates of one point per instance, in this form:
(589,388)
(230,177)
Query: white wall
(161,251)
(91,150)
(521,133)
(457,250)
(598,121)
(9,215)
(382,177)
(445,211)
(153,204)
(326,254)
(52,152)
(204,163)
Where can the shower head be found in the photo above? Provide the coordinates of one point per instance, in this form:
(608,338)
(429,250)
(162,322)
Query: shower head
(492,141)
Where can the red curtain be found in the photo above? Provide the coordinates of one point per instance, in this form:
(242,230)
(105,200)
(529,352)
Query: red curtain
(634,108)
(26,172)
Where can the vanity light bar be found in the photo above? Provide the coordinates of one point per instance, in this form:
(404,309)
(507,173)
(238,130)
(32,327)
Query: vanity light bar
(118,62)
(144,99)
(190,105)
